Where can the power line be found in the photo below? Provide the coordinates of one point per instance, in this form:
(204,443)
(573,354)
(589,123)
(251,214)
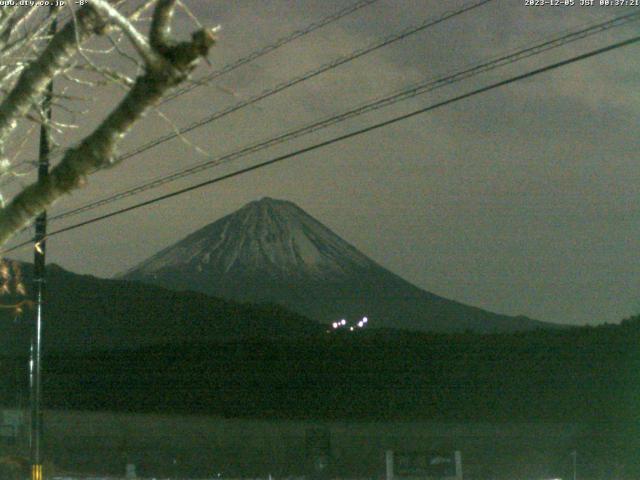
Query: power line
(404,94)
(249,58)
(430,22)
(269,48)
(307,76)
(304,77)
(340,138)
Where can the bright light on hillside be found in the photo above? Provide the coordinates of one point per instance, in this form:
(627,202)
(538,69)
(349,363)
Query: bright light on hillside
(343,323)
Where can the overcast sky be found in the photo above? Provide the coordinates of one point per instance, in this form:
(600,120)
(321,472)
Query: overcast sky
(522,200)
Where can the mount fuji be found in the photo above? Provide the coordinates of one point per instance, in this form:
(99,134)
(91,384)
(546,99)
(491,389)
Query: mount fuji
(272,251)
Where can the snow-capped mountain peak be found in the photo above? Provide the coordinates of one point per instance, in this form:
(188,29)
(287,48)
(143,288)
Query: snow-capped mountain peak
(273,251)
(272,236)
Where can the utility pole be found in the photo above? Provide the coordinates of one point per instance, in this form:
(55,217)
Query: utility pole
(574,455)
(39,278)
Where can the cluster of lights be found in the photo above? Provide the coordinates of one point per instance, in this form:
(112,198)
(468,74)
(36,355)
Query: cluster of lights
(343,324)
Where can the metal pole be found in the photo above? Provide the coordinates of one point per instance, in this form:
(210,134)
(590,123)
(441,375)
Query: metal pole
(39,274)
(388,457)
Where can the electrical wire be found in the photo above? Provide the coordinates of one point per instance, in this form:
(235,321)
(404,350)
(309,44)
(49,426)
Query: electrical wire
(244,60)
(340,138)
(430,22)
(269,48)
(307,76)
(404,94)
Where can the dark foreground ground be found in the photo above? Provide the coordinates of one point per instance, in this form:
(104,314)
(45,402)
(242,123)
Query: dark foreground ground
(515,405)
(205,447)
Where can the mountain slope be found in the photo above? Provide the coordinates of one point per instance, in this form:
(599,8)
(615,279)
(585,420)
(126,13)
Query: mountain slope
(85,313)
(273,251)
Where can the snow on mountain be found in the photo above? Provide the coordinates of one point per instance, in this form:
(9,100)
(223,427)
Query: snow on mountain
(273,251)
(268,235)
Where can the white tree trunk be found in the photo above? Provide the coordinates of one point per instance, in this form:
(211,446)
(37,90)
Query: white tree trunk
(167,64)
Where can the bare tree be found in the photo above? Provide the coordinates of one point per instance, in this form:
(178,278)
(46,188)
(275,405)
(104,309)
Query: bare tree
(30,59)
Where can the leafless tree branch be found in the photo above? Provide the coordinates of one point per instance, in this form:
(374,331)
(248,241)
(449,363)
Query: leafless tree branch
(167,64)
(138,40)
(160,34)
(37,75)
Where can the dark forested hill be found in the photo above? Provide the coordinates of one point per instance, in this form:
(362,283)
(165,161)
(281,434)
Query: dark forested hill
(583,374)
(85,313)
(117,345)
